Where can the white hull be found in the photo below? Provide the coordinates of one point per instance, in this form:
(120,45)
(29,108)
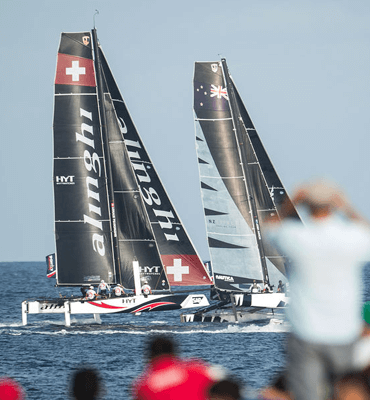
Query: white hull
(246,308)
(127,304)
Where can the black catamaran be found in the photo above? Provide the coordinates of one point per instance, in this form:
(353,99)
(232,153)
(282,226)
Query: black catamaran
(239,188)
(112,214)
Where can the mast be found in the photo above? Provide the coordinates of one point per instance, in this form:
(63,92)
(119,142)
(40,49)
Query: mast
(100,92)
(240,134)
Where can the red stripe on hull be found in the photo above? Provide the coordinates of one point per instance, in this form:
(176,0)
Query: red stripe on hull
(154,305)
(103,305)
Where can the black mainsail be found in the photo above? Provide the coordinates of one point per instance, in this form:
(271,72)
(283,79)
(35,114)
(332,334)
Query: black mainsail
(239,184)
(110,206)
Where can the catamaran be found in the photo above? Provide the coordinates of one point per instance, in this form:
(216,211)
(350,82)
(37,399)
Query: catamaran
(240,189)
(113,218)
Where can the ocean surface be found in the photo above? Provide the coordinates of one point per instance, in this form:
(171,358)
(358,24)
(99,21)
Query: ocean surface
(42,355)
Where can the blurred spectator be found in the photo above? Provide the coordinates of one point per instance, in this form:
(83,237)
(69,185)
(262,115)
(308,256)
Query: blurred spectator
(225,389)
(278,390)
(326,256)
(352,387)
(11,390)
(169,377)
(86,384)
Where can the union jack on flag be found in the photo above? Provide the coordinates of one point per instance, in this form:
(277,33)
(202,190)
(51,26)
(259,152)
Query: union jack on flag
(219,92)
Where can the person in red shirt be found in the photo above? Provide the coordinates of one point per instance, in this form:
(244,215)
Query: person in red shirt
(167,376)
(11,390)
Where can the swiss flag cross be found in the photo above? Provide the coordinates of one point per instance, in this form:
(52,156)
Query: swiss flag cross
(72,70)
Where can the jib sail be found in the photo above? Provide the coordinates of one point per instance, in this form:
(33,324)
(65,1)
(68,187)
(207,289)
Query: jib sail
(179,257)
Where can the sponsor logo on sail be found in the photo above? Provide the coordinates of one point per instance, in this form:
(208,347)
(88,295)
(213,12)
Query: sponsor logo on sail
(65,180)
(149,194)
(150,270)
(94,169)
(86,40)
(214,67)
(225,278)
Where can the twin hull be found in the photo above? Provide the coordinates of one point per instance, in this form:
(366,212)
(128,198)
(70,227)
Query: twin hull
(129,304)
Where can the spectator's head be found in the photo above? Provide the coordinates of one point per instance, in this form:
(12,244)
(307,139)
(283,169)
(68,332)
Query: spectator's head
(321,197)
(86,384)
(11,390)
(161,346)
(226,389)
(352,386)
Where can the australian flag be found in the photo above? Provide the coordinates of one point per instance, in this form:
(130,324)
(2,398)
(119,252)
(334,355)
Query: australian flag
(210,97)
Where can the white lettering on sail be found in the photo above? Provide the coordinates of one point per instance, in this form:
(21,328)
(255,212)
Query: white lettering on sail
(149,194)
(92,164)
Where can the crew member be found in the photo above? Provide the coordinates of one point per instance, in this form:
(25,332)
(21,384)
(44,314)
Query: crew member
(83,291)
(90,294)
(281,288)
(267,288)
(118,290)
(103,287)
(146,289)
(255,288)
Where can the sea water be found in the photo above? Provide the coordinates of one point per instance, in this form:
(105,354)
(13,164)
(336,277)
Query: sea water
(43,355)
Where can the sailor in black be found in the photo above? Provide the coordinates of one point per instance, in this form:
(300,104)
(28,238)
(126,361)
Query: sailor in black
(281,288)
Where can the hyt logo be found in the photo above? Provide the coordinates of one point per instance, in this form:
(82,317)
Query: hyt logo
(65,180)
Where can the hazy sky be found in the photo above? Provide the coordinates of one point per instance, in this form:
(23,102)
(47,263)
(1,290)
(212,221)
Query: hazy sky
(301,67)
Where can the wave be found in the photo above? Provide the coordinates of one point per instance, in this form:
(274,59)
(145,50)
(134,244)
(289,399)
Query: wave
(89,327)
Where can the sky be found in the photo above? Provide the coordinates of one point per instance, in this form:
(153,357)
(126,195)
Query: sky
(301,67)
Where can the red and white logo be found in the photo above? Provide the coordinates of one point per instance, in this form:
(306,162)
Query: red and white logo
(72,70)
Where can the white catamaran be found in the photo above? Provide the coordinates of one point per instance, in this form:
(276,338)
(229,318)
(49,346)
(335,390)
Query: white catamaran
(113,218)
(239,188)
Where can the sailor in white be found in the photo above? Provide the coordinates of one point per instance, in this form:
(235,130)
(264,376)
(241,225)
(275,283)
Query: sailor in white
(103,287)
(255,288)
(118,290)
(90,294)
(146,289)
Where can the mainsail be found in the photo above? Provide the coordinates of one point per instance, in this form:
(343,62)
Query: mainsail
(110,206)
(239,184)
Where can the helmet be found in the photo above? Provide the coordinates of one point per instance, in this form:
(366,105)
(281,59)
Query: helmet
(91,287)
(102,281)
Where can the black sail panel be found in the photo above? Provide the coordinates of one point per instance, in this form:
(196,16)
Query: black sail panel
(82,220)
(232,243)
(182,264)
(268,190)
(134,231)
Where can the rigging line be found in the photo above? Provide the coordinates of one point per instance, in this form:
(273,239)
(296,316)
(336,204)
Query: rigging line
(75,94)
(213,119)
(137,240)
(231,234)
(222,177)
(78,220)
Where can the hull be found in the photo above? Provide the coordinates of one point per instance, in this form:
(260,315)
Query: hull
(245,308)
(127,304)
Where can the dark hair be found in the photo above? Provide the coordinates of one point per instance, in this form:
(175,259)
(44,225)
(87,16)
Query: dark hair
(227,388)
(160,346)
(86,384)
